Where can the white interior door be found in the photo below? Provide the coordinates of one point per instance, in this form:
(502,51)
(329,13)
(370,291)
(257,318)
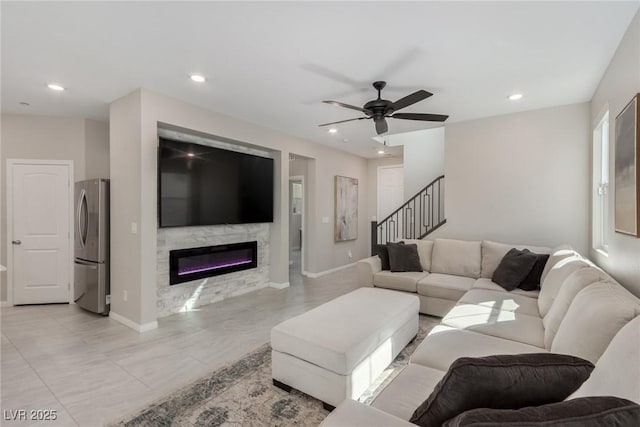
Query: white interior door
(390,190)
(39,224)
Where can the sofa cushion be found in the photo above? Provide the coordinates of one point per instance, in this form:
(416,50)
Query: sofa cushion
(556,254)
(584,412)
(514,268)
(351,413)
(573,284)
(555,278)
(405,281)
(490,285)
(445,344)
(498,323)
(532,281)
(457,257)
(425,248)
(408,390)
(502,382)
(595,316)
(444,286)
(493,252)
(403,257)
(617,372)
(507,301)
(383,254)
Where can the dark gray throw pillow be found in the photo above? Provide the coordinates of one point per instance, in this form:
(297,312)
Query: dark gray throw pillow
(532,281)
(383,254)
(513,268)
(403,257)
(582,412)
(502,382)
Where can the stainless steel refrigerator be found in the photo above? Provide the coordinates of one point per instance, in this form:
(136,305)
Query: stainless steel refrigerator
(91,267)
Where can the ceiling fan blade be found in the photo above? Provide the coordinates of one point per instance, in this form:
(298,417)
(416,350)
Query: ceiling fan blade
(381,126)
(419,116)
(411,99)
(340,104)
(342,121)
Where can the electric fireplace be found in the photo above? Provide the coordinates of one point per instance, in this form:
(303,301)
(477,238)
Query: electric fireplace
(186,265)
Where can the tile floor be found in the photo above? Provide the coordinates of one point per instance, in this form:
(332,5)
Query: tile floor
(91,369)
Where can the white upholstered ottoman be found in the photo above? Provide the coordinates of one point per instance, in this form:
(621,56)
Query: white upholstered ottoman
(336,350)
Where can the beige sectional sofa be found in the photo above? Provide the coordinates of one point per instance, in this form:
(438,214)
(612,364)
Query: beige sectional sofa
(451,268)
(579,310)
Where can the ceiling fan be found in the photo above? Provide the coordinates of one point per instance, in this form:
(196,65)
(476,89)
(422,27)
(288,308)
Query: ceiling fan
(381,109)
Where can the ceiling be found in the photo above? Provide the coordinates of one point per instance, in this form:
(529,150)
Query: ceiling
(272,63)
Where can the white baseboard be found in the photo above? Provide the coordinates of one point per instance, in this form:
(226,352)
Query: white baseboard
(133,325)
(5,304)
(279,285)
(324,273)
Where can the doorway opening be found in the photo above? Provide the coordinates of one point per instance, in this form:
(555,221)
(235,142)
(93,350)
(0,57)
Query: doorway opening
(297,213)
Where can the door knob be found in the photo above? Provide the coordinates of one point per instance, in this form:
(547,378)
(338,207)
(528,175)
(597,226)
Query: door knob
(16,242)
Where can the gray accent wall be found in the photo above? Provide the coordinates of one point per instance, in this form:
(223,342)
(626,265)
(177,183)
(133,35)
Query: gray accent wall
(620,83)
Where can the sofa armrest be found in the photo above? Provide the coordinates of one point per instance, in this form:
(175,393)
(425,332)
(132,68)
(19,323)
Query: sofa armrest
(355,414)
(367,268)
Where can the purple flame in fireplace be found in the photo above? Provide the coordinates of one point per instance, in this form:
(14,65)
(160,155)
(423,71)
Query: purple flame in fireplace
(213,261)
(188,270)
(190,264)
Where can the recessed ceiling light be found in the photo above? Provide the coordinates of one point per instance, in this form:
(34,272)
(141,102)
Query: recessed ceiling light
(515,96)
(380,151)
(190,154)
(333,130)
(197,78)
(54,86)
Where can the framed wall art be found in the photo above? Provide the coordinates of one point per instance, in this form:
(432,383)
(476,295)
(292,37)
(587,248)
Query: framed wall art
(346,209)
(627,158)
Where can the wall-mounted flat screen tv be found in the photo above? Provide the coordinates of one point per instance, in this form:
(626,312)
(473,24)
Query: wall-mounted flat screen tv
(202,185)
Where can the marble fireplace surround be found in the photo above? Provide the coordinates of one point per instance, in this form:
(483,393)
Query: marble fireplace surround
(189,295)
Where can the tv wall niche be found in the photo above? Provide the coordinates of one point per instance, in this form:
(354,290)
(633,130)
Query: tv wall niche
(202,185)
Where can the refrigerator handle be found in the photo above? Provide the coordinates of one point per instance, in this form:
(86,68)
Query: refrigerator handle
(82,234)
(91,265)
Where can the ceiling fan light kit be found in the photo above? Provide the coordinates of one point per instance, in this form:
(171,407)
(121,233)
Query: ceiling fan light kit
(381,109)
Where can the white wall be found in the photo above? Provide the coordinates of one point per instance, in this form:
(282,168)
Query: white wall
(520,178)
(97,149)
(619,84)
(133,140)
(125,165)
(423,153)
(38,137)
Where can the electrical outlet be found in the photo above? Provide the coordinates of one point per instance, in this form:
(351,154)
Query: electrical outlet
(134,228)
(125,295)
(325,220)
(350,255)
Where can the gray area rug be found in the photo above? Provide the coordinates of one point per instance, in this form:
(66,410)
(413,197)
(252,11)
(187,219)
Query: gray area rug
(242,394)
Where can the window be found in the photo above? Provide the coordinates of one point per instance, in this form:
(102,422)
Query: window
(600,214)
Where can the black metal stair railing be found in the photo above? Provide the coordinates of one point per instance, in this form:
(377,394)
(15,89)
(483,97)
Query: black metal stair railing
(415,219)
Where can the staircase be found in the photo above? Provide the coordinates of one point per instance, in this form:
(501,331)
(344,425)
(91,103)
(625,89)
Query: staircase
(416,218)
